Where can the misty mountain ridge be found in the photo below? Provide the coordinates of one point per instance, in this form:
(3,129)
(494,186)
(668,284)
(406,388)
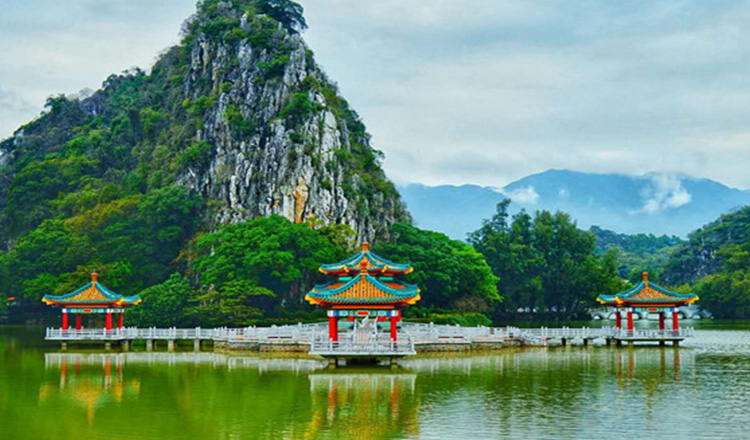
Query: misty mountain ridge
(653,203)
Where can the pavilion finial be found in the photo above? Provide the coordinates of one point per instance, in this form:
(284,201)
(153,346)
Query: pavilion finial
(645,277)
(365,246)
(94,276)
(363,265)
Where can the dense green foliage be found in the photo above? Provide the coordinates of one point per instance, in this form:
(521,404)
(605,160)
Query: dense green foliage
(727,293)
(466,319)
(134,241)
(636,253)
(544,262)
(163,304)
(266,264)
(286,12)
(452,275)
(91,184)
(263,268)
(715,263)
(701,255)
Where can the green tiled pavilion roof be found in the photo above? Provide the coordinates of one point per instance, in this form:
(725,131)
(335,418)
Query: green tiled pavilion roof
(92,294)
(375,264)
(363,289)
(646,292)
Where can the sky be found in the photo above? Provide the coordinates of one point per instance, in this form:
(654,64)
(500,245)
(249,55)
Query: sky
(459,91)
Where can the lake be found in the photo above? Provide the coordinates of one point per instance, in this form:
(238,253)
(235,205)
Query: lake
(701,390)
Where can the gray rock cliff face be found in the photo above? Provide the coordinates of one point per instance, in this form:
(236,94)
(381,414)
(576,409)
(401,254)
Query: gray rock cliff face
(290,164)
(238,111)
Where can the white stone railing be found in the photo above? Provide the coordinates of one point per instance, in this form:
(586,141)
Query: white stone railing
(684,332)
(129,333)
(432,332)
(307,333)
(565,332)
(373,347)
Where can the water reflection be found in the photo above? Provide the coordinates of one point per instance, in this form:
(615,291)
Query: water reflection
(89,385)
(668,360)
(561,393)
(345,406)
(215,360)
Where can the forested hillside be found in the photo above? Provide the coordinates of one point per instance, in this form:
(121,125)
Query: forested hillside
(700,255)
(636,253)
(235,122)
(217,183)
(715,262)
(214,185)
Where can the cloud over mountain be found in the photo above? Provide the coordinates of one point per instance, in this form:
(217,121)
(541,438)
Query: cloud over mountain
(654,203)
(664,192)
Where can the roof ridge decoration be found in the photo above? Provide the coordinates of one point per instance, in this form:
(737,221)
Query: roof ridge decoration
(647,293)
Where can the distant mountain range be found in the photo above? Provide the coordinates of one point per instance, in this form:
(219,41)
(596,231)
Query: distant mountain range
(653,203)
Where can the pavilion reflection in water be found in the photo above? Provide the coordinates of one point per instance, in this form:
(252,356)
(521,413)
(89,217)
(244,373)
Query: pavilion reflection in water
(650,365)
(363,406)
(90,385)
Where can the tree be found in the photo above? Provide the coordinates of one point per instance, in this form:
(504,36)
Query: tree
(163,304)
(451,275)
(727,293)
(290,14)
(270,253)
(235,303)
(544,262)
(34,266)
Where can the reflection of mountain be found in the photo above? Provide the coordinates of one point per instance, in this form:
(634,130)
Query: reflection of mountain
(363,406)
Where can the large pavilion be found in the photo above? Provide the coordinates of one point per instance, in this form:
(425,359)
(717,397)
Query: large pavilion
(93,298)
(366,285)
(649,296)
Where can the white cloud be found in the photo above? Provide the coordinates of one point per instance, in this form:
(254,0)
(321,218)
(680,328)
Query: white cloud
(525,195)
(480,92)
(664,192)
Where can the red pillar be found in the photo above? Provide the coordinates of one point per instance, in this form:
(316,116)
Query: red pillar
(79,318)
(121,321)
(109,321)
(394,328)
(675,320)
(618,319)
(64,320)
(333,328)
(661,321)
(630,320)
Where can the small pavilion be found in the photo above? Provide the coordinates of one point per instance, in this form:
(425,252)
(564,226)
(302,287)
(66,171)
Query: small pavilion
(649,296)
(366,285)
(93,298)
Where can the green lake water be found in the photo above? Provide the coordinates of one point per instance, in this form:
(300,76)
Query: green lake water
(701,390)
